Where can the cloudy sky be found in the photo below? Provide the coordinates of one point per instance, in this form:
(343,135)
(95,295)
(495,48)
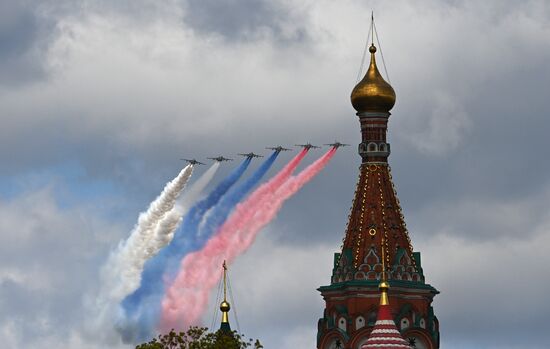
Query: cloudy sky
(99,99)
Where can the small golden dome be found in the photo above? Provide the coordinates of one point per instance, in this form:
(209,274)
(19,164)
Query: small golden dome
(373,93)
(225,307)
(384,286)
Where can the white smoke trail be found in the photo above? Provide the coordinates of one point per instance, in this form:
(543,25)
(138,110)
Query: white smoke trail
(122,273)
(164,231)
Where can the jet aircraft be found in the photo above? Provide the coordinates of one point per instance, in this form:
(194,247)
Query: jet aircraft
(307,146)
(251,155)
(337,145)
(193,161)
(220,159)
(278,148)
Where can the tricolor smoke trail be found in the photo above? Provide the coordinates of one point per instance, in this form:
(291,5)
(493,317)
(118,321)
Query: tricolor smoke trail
(267,210)
(220,212)
(141,308)
(187,297)
(245,210)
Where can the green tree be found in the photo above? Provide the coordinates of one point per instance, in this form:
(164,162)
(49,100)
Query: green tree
(200,338)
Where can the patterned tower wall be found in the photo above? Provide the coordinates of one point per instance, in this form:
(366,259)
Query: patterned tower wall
(352,297)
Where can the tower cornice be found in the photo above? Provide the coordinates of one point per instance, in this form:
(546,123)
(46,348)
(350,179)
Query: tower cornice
(372,286)
(374,115)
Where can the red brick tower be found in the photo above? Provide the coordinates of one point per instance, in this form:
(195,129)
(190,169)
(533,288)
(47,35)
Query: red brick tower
(352,297)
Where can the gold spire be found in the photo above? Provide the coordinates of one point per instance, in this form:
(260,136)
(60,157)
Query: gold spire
(384,284)
(225,306)
(372,93)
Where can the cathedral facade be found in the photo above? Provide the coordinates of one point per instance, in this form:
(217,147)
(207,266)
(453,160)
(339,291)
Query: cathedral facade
(376,244)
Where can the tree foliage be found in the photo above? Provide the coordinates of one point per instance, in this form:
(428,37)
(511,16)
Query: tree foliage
(200,338)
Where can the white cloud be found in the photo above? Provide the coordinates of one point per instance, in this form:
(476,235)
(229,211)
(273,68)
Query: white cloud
(483,218)
(442,129)
(498,282)
(136,83)
(49,256)
(126,87)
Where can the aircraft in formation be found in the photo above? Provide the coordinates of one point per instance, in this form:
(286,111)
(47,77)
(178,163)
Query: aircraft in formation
(278,148)
(337,145)
(193,161)
(251,155)
(307,146)
(220,159)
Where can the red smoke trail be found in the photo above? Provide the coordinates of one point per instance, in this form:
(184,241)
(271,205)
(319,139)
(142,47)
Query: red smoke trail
(245,210)
(187,298)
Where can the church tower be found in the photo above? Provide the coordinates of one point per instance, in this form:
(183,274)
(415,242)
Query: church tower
(376,224)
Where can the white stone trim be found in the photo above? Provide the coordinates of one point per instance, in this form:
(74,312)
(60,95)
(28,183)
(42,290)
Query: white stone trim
(392,339)
(377,345)
(382,330)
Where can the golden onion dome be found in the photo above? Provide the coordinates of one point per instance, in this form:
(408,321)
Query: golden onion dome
(372,93)
(225,307)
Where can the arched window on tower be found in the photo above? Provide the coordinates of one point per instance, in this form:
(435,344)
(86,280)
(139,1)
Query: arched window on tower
(373,147)
(422,323)
(359,322)
(405,323)
(342,324)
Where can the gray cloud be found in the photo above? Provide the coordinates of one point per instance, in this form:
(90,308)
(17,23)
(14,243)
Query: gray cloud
(49,258)
(20,43)
(131,89)
(490,275)
(245,19)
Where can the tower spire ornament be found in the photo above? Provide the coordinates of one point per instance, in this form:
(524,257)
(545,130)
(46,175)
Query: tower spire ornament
(225,307)
(372,93)
(376,249)
(372,26)
(384,285)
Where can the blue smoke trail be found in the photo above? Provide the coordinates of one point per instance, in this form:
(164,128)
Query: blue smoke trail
(141,307)
(221,211)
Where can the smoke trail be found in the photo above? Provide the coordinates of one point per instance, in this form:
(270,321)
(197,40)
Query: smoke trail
(187,296)
(140,309)
(245,210)
(220,212)
(121,273)
(149,306)
(165,229)
(267,210)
